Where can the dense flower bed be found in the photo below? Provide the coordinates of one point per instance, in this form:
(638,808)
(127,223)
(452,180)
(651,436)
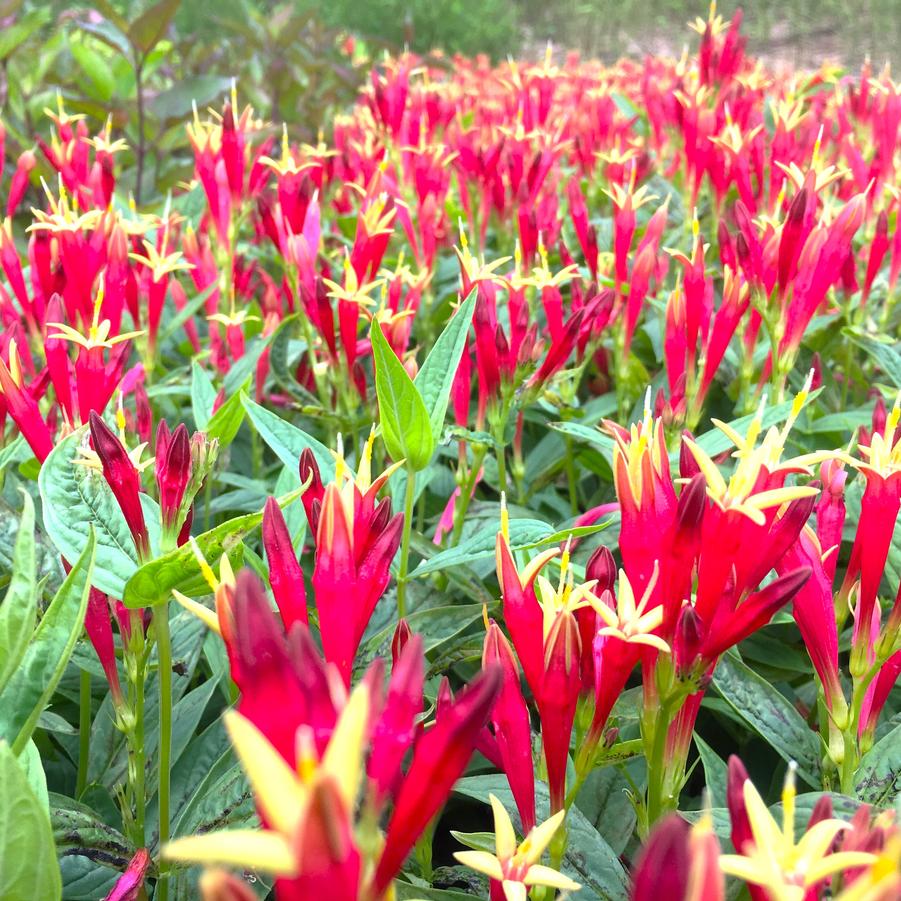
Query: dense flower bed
(385,479)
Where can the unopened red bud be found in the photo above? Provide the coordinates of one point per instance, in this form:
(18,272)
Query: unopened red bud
(602,567)
(688,465)
(692,504)
(123,478)
(173,472)
(402,634)
(688,640)
(816,366)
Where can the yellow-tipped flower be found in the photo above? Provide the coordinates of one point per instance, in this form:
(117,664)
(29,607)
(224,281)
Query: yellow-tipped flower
(515,866)
(775,861)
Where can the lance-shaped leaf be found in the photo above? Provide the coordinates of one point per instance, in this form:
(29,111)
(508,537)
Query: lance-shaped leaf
(153,583)
(287,441)
(18,611)
(436,377)
(29,869)
(406,428)
(35,679)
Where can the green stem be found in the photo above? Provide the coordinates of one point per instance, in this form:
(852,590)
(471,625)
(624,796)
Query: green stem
(84,732)
(409,497)
(501,456)
(657,765)
(164,653)
(466,489)
(572,478)
(137,750)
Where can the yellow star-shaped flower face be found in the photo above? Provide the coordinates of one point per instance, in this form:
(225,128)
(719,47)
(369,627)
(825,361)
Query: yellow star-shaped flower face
(515,866)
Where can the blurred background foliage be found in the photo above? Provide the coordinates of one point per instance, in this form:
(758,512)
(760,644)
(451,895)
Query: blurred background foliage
(143,64)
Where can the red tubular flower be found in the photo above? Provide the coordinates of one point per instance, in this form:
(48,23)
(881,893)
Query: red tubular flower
(23,408)
(285,574)
(283,682)
(123,478)
(877,695)
(19,182)
(100,632)
(395,730)
(730,627)
(356,540)
(173,472)
(511,724)
(879,508)
(439,759)
(557,701)
(679,862)
(130,885)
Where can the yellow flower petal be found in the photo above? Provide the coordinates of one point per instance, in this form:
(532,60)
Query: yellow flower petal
(481,862)
(278,791)
(204,614)
(504,836)
(541,875)
(540,837)
(343,758)
(245,848)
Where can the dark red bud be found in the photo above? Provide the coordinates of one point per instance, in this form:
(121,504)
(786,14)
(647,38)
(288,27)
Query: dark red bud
(602,567)
(402,634)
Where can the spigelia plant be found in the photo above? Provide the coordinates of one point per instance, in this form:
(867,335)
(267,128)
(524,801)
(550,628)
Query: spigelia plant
(445,509)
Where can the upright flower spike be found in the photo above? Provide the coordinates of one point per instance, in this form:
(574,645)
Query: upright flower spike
(356,539)
(511,723)
(514,868)
(626,630)
(123,477)
(173,472)
(771,858)
(881,469)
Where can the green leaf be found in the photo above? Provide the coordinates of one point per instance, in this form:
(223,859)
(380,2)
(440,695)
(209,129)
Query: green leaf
(80,834)
(524,533)
(33,767)
(148,29)
(203,396)
(75,498)
(436,377)
(32,685)
(878,779)
(594,437)
(588,859)
(29,867)
(153,583)
(18,612)
(226,421)
(716,772)
(886,357)
(186,312)
(287,441)
(14,35)
(96,70)
(770,714)
(175,102)
(406,428)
